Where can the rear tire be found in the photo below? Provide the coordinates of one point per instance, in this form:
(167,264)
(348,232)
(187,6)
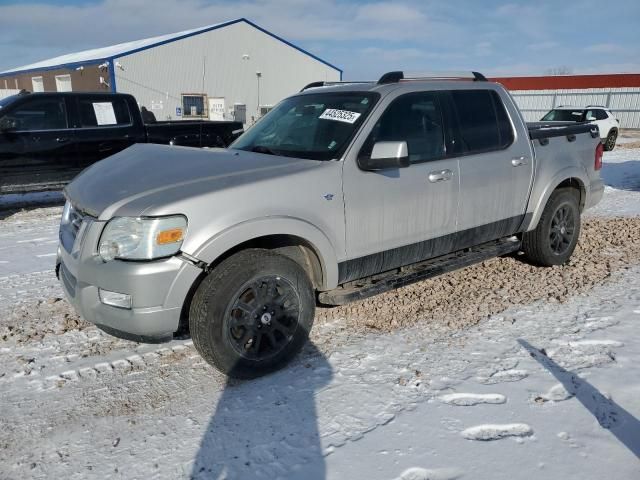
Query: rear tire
(610,142)
(252,314)
(556,236)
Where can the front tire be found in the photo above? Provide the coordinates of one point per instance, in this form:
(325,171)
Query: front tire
(556,236)
(252,314)
(610,142)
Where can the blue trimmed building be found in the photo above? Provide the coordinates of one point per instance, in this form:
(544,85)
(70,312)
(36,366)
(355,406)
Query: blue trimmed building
(219,71)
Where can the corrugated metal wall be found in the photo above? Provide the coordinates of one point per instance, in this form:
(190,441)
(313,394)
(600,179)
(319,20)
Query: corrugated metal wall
(160,75)
(624,103)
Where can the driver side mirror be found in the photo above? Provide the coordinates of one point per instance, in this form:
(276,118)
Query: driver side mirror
(386,155)
(8,123)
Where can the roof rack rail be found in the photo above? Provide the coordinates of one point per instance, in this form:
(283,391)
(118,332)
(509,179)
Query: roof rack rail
(395,77)
(328,84)
(597,106)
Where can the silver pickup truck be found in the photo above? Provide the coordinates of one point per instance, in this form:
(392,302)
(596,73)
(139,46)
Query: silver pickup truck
(341,192)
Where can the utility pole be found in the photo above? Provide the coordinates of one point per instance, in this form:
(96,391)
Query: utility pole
(258,75)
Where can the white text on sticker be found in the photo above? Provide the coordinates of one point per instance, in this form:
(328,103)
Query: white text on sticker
(340,115)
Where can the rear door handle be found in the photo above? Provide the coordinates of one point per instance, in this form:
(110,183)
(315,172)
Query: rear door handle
(440,176)
(62,139)
(519,161)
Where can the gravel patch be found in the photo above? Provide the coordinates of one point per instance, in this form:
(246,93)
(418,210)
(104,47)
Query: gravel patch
(628,145)
(32,321)
(463,298)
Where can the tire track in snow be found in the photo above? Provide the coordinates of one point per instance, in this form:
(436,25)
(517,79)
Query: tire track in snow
(122,363)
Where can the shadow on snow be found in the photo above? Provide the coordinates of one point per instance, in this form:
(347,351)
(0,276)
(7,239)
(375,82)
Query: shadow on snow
(623,175)
(611,416)
(267,428)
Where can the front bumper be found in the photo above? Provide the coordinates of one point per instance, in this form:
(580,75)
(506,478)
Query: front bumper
(158,288)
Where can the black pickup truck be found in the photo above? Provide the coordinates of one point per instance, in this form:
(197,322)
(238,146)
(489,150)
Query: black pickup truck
(46,139)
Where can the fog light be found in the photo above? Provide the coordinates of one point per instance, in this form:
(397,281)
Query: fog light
(115,299)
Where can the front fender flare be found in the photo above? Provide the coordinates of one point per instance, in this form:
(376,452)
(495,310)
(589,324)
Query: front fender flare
(248,230)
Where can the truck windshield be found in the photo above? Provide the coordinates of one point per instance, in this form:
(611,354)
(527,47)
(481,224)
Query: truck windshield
(314,126)
(564,115)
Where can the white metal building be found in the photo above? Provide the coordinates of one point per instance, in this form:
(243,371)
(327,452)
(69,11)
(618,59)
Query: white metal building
(215,72)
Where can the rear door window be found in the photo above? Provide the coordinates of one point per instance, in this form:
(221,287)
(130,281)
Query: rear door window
(103,112)
(47,113)
(483,123)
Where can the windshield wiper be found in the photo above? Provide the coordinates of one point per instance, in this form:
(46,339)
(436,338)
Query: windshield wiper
(263,149)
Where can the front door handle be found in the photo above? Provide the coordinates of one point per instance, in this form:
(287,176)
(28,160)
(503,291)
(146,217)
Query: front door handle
(62,140)
(519,161)
(440,176)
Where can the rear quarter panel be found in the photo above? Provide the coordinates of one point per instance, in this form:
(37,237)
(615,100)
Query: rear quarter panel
(558,161)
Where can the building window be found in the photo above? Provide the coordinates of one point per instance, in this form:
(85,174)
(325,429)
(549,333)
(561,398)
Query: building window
(264,109)
(63,83)
(38,84)
(193,105)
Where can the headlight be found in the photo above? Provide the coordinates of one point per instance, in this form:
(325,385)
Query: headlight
(142,238)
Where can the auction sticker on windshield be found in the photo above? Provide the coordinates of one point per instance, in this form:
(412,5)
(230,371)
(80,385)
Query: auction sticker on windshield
(339,115)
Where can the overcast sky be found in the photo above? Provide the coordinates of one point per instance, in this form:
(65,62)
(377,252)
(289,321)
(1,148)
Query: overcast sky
(364,38)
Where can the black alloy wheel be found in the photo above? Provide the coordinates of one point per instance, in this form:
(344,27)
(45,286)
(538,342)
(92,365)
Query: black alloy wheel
(610,142)
(562,230)
(263,318)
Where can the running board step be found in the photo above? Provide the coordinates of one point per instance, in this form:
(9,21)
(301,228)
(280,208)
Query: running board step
(361,289)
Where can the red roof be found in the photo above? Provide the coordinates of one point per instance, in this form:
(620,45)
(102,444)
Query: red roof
(553,82)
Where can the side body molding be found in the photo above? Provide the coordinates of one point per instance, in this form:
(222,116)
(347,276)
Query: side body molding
(233,236)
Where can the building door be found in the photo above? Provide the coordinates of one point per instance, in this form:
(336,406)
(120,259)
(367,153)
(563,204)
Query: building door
(216,108)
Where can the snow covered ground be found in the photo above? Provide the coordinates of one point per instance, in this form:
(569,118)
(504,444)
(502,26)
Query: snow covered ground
(542,390)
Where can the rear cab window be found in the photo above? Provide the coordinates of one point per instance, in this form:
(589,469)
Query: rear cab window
(99,111)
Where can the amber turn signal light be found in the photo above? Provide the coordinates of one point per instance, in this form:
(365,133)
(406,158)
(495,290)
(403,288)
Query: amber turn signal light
(169,236)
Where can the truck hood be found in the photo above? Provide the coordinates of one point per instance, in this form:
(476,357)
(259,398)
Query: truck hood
(169,172)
